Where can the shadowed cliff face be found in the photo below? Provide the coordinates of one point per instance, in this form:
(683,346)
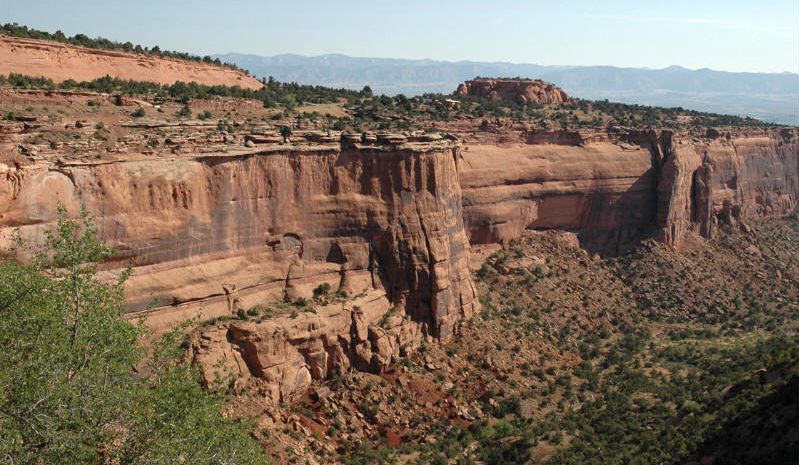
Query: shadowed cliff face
(273,225)
(726,180)
(613,192)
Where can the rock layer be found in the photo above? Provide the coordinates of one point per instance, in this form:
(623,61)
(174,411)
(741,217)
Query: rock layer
(388,223)
(60,62)
(612,190)
(269,224)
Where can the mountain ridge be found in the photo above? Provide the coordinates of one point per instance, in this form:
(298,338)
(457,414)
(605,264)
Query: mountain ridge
(772,97)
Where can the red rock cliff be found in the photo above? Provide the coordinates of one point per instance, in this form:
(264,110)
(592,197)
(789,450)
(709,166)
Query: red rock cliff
(613,190)
(270,224)
(389,224)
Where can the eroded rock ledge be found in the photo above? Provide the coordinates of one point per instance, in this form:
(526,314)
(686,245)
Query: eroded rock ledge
(387,221)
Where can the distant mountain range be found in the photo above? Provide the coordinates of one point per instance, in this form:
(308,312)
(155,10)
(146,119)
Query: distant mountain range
(771,97)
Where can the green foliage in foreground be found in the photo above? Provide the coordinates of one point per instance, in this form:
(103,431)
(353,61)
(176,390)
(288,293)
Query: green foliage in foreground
(69,393)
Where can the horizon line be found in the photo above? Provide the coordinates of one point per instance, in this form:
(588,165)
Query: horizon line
(321,55)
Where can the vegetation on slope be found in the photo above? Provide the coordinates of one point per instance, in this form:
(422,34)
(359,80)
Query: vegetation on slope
(76,387)
(287,95)
(380,112)
(656,356)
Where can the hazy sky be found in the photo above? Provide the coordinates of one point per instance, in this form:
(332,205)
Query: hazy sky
(733,35)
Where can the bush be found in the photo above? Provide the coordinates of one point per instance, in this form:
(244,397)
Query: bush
(184,112)
(138,113)
(321,290)
(69,394)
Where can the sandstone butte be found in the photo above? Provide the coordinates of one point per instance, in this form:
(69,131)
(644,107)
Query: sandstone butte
(513,90)
(60,62)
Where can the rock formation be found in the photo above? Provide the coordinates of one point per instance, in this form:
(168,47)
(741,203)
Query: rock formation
(513,90)
(220,223)
(60,62)
(268,222)
(613,190)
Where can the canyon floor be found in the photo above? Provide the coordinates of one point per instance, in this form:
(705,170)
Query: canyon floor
(654,356)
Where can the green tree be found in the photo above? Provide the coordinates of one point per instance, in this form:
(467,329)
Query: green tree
(185,111)
(285,131)
(68,391)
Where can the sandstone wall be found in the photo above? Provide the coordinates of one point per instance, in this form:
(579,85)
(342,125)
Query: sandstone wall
(642,183)
(604,191)
(727,179)
(389,224)
(269,224)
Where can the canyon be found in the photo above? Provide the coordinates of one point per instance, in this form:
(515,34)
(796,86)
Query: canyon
(197,266)
(215,225)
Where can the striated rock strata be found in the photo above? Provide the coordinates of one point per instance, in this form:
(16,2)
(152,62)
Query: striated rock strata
(390,223)
(613,190)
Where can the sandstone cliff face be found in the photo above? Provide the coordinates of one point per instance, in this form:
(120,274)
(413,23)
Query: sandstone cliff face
(214,234)
(270,224)
(513,90)
(727,180)
(603,191)
(389,224)
(60,62)
(613,191)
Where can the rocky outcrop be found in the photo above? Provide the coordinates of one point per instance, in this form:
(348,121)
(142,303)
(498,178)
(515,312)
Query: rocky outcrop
(604,191)
(60,62)
(513,90)
(727,180)
(615,190)
(283,355)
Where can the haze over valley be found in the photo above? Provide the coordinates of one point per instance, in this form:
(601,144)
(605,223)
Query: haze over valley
(771,97)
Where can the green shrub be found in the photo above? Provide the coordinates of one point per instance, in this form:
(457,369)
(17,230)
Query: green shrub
(69,394)
(184,112)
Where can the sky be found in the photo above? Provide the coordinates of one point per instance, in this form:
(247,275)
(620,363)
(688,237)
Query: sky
(729,35)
